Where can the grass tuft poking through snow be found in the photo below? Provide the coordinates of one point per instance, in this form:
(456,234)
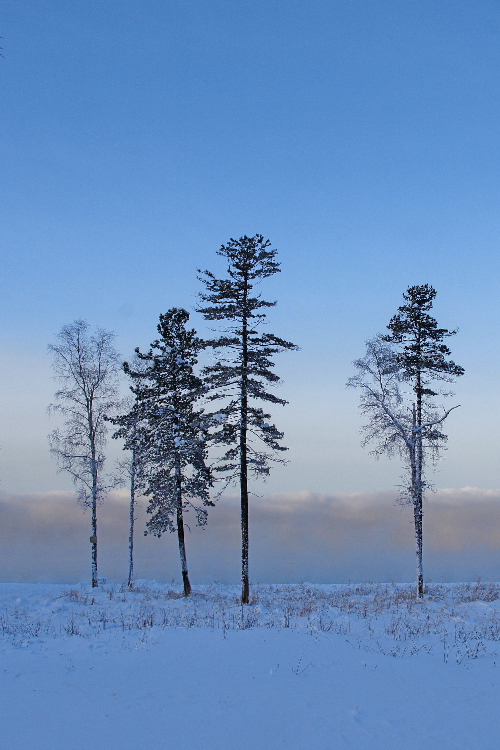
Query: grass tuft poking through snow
(462,621)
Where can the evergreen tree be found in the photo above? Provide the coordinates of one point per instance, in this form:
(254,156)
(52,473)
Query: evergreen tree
(172,432)
(243,370)
(422,357)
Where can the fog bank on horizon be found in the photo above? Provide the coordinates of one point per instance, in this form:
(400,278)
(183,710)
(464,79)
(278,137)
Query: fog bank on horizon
(294,537)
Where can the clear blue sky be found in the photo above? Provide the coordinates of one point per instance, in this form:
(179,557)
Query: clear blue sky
(361,137)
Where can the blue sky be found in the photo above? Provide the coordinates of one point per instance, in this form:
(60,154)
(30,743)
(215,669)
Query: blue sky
(362,138)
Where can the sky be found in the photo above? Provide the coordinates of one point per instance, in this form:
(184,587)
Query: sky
(361,138)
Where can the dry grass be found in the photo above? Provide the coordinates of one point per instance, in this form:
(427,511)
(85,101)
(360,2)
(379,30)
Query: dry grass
(456,619)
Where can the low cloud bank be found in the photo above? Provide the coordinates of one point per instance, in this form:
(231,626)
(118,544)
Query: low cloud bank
(293,537)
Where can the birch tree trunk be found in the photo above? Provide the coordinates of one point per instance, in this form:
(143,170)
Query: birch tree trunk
(93,540)
(180,528)
(131,524)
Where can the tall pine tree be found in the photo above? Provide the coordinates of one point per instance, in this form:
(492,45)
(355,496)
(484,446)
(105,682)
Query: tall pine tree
(422,356)
(243,371)
(172,436)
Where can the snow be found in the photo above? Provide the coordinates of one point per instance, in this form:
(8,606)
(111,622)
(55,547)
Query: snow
(302,667)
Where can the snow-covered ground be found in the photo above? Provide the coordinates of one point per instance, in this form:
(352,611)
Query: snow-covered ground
(302,667)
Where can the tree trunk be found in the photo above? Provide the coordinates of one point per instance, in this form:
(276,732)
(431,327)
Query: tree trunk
(417,489)
(418,516)
(180,529)
(245,583)
(131,526)
(95,580)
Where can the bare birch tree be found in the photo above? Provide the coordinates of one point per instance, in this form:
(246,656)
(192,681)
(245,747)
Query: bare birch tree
(132,427)
(394,427)
(87,366)
(131,471)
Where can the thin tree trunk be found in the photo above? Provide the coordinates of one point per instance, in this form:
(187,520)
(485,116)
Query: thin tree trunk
(418,516)
(95,581)
(417,495)
(245,583)
(418,504)
(180,529)
(131,526)
(93,539)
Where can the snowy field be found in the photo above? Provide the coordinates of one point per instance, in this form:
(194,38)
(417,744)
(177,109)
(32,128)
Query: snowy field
(303,666)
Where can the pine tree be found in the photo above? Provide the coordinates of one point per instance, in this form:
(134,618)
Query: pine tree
(87,368)
(243,370)
(422,357)
(172,434)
